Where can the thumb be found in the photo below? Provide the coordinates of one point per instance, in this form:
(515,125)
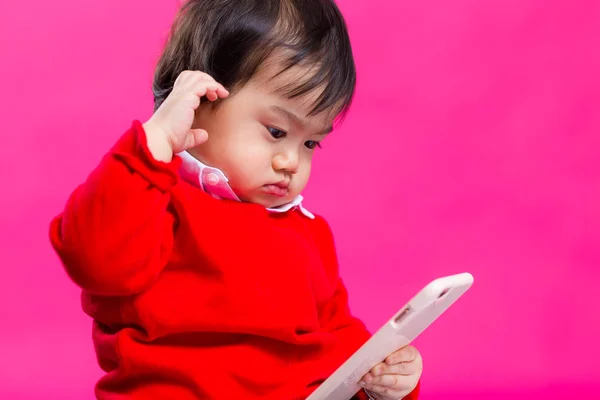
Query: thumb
(197,137)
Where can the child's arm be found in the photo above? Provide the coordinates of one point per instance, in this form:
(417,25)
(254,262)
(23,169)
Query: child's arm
(337,318)
(116,232)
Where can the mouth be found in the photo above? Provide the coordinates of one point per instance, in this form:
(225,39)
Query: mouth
(279,189)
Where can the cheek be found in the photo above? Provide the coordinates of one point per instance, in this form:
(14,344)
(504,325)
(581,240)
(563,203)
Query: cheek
(248,162)
(303,176)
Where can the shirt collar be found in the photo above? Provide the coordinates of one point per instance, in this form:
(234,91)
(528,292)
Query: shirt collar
(214,182)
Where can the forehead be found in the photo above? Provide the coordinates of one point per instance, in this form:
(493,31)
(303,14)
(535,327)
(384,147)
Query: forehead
(275,80)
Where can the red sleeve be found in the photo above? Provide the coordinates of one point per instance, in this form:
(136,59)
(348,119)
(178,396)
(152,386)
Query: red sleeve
(116,232)
(414,395)
(336,316)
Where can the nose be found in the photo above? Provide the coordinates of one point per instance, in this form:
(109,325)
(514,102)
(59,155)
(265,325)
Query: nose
(287,161)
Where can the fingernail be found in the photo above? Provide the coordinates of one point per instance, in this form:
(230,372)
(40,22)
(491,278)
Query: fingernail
(361,383)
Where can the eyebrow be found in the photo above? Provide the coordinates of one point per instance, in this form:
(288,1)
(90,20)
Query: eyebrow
(295,119)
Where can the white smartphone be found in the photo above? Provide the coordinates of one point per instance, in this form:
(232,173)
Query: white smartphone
(399,331)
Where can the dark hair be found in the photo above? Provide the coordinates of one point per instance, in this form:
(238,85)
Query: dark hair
(230,39)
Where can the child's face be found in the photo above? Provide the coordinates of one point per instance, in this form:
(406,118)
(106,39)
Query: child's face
(262,141)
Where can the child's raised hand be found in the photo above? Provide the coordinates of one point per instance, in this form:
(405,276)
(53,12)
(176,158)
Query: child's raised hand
(169,131)
(396,377)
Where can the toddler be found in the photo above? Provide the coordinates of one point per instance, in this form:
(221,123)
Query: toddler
(204,274)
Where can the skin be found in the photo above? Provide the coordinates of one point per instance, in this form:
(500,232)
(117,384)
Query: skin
(260,139)
(396,377)
(264,143)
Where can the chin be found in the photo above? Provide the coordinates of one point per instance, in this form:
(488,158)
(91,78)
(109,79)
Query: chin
(273,202)
(277,204)
(269,203)
(266,200)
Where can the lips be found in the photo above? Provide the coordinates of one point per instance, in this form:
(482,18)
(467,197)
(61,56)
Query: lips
(279,189)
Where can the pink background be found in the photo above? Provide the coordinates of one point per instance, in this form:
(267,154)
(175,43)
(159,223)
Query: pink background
(473,145)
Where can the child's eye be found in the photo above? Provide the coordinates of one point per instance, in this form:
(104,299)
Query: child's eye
(311,144)
(276,133)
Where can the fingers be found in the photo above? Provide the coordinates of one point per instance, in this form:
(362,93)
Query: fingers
(397,376)
(196,138)
(201,84)
(395,386)
(211,89)
(384,380)
(405,354)
(406,368)
(212,96)
(386,392)
(392,378)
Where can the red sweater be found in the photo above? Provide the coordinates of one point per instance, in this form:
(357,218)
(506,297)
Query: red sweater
(194,297)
